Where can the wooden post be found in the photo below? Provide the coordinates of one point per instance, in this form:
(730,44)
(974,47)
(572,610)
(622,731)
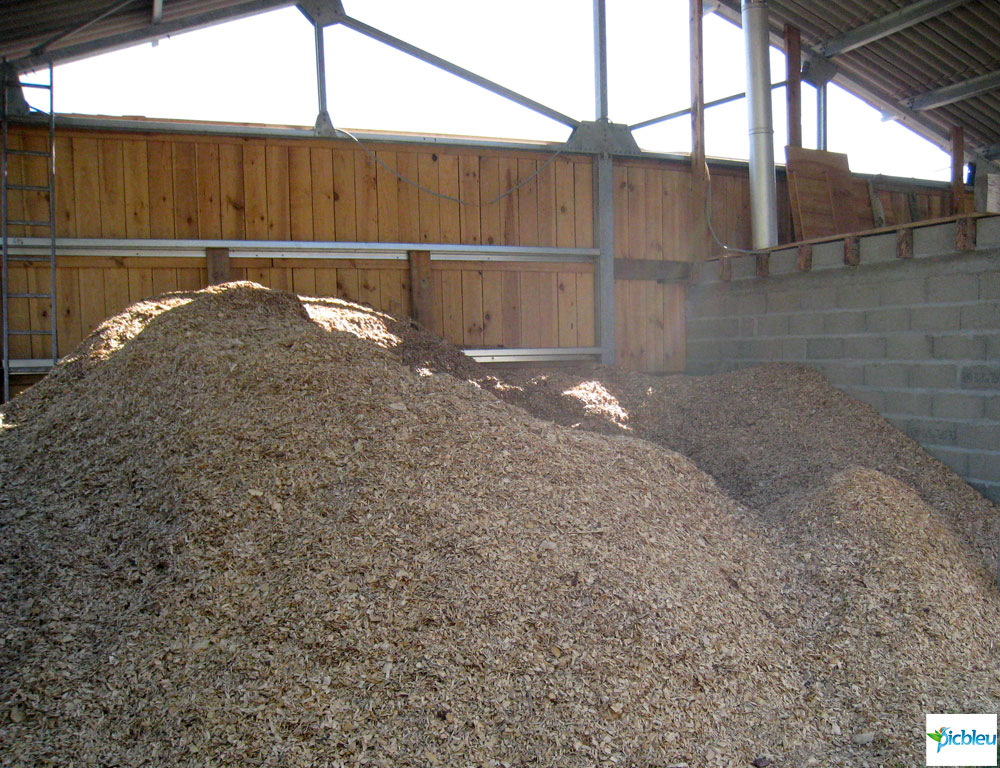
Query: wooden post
(421,287)
(763,267)
(852,250)
(793,87)
(904,244)
(699,172)
(965,234)
(957,169)
(805,259)
(217,263)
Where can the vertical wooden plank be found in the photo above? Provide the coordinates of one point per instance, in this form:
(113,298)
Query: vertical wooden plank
(492,308)
(278,214)
(451,303)
(347,284)
(164,280)
(391,289)
(36,173)
(91,298)
(343,194)
(255,189)
(326,280)
(209,206)
(136,189)
(510,292)
(793,87)
(159,164)
(549,315)
(300,192)
(547,205)
(404,293)
(86,187)
(509,233)
(468,175)
(217,266)
(623,353)
(532,317)
(489,212)
(448,184)
(408,205)
(115,290)
(388,198)
(260,275)
(15,200)
(140,284)
(437,303)
(65,208)
(620,180)
(19,314)
(279,278)
(567,309)
(674,330)
(585,309)
(527,204)
(112,176)
(421,287)
(429,205)
(654,299)
(636,213)
(304,281)
(321,168)
(39,281)
(185,190)
(565,203)
(583,172)
(957,169)
(68,306)
(366,195)
(369,288)
(472,307)
(653,200)
(232,192)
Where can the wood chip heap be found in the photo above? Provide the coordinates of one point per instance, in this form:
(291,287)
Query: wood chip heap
(242,530)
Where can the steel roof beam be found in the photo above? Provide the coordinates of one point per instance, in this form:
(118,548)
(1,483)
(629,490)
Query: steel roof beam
(949,94)
(905,17)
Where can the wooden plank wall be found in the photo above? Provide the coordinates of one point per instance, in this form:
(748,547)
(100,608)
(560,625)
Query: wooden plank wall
(178,186)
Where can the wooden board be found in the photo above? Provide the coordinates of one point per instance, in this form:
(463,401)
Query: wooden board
(825,199)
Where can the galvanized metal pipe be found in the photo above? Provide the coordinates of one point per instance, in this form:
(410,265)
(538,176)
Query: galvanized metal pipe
(600,60)
(763,194)
(821,107)
(320,68)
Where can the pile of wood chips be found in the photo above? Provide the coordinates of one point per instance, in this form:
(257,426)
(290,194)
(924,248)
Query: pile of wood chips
(242,530)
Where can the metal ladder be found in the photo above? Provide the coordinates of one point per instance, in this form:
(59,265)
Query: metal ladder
(9,81)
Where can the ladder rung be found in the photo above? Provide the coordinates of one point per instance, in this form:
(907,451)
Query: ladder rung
(29,258)
(28,187)
(29,152)
(43,86)
(29,295)
(29,333)
(26,223)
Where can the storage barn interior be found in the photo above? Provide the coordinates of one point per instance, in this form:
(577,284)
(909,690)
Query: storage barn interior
(336,447)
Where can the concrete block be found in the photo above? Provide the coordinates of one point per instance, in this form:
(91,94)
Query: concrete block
(843,374)
(828,256)
(988,232)
(805,324)
(940,318)
(784,262)
(844,322)
(929,241)
(956,459)
(715,327)
(891,320)
(990,490)
(903,292)
(878,249)
(749,303)
(824,348)
(791,349)
(991,407)
(934,376)
(984,436)
(783,301)
(992,346)
(865,347)
(772,325)
(982,315)
(981,377)
(908,346)
(899,422)
(704,350)
(857,296)
(744,268)
(985,467)
(876,398)
(956,287)
(748,326)
(927,431)
(989,285)
(886,375)
(958,347)
(909,402)
(950,405)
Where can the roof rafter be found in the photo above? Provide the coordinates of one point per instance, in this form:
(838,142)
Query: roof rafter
(949,94)
(905,17)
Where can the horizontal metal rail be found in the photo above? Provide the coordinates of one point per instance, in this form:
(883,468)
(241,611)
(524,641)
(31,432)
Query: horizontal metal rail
(534,355)
(708,104)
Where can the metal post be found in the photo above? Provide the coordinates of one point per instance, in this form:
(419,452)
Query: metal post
(604,199)
(763,194)
(5,73)
(324,125)
(821,135)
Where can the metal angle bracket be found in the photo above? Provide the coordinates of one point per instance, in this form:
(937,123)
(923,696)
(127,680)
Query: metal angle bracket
(818,71)
(322,13)
(17,105)
(602,137)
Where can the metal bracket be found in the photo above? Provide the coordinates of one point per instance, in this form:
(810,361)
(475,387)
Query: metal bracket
(324,125)
(322,13)
(17,105)
(604,138)
(818,71)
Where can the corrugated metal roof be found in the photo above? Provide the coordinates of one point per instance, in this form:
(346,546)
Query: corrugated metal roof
(949,48)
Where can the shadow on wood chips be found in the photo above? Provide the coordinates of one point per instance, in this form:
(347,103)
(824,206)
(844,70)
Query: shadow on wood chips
(237,528)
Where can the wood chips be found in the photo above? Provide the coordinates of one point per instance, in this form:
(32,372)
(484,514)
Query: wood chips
(240,529)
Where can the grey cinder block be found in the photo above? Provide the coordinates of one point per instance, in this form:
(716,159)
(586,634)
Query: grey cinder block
(886,375)
(956,287)
(951,405)
(844,322)
(893,319)
(866,347)
(824,348)
(934,376)
(981,377)
(908,346)
(959,347)
(981,316)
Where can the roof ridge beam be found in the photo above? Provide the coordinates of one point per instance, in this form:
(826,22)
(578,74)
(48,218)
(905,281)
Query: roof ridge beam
(905,17)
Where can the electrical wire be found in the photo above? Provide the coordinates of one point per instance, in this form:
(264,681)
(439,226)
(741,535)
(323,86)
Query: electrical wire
(442,195)
(708,217)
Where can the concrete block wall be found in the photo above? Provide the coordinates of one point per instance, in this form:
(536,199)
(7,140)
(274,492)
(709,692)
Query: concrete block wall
(917,339)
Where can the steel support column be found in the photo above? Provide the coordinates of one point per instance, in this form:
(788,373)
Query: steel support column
(324,125)
(604,199)
(763,193)
(821,131)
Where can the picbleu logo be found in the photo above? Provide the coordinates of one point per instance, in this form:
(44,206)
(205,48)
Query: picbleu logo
(966,739)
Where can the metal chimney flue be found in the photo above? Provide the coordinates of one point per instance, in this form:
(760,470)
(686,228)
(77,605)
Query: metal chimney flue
(763,196)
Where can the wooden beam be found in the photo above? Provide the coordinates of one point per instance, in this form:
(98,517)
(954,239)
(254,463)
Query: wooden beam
(763,264)
(804,263)
(699,172)
(421,287)
(217,262)
(904,244)
(852,250)
(793,84)
(957,168)
(965,234)
(652,269)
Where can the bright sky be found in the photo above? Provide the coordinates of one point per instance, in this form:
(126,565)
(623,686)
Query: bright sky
(262,70)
